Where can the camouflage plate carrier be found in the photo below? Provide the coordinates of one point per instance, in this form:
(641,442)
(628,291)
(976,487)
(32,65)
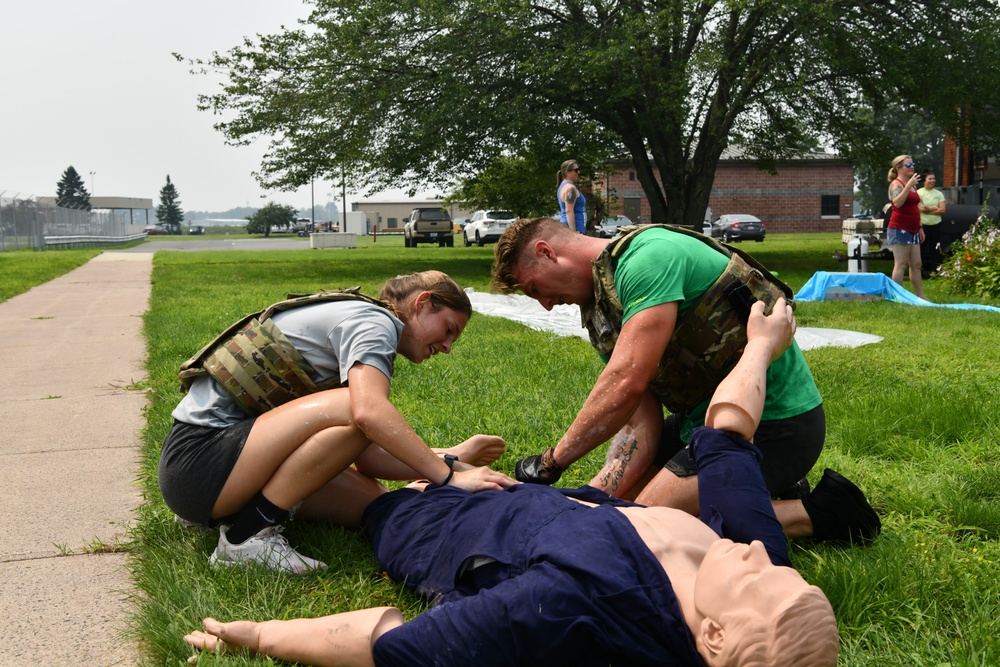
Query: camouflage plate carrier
(256,364)
(708,338)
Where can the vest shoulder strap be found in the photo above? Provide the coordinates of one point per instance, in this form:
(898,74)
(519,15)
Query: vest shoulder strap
(194,367)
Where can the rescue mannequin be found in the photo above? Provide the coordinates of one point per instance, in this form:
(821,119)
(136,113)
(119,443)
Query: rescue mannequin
(729,602)
(637,305)
(221,465)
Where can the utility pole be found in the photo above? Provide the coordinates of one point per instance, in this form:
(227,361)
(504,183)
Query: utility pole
(92,182)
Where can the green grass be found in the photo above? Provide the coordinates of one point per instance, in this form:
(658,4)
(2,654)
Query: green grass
(915,420)
(23,269)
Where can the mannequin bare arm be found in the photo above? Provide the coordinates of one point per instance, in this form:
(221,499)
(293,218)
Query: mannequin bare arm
(341,640)
(738,401)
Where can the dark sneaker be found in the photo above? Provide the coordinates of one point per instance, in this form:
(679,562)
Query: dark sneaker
(839,511)
(797,491)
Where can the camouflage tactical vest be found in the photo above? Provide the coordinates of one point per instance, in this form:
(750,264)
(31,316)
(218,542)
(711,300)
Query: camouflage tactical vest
(256,364)
(708,338)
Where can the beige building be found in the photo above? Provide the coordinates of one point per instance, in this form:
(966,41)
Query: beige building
(388,215)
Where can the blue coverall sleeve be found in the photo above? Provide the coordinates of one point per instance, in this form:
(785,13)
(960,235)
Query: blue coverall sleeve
(520,621)
(732,496)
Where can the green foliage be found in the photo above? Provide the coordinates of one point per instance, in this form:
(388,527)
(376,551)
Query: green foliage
(272,215)
(896,131)
(71,192)
(169,213)
(974,265)
(433,91)
(525,185)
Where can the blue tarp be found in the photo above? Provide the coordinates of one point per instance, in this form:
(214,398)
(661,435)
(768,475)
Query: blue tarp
(824,284)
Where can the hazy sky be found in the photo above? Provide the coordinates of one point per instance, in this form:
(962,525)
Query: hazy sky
(94,85)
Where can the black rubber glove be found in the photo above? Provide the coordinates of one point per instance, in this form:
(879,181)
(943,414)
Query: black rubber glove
(538,469)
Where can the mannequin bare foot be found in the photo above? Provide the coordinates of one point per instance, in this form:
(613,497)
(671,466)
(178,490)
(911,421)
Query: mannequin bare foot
(224,636)
(479,450)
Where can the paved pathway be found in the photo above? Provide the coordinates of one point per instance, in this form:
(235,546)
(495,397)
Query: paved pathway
(69,436)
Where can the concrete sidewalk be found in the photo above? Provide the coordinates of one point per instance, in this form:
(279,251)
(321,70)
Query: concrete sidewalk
(70,426)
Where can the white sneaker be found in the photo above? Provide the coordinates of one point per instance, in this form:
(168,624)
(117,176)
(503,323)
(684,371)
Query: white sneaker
(268,547)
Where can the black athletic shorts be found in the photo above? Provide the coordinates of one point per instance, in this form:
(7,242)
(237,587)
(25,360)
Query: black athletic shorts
(790,447)
(195,463)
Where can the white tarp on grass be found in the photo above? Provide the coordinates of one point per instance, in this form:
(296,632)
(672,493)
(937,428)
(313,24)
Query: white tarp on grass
(564,320)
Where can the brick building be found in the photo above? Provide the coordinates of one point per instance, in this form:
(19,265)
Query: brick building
(969,178)
(812,193)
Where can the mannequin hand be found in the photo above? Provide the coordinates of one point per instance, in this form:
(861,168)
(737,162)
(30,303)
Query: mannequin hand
(776,329)
(538,469)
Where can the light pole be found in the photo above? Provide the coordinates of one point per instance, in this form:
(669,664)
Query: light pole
(92,182)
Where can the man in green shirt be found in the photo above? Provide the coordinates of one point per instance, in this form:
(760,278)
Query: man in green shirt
(659,277)
(932,206)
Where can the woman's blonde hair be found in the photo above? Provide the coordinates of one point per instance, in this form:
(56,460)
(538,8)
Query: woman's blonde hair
(564,169)
(399,293)
(892,167)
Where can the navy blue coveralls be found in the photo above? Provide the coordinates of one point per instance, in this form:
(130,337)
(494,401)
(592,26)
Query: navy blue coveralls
(563,583)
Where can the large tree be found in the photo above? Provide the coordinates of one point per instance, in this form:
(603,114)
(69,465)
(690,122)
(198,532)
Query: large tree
(429,91)
(169,213)
(272,215)
(908,131)
(70,191)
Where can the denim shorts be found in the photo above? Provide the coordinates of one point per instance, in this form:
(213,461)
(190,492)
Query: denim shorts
(903,237)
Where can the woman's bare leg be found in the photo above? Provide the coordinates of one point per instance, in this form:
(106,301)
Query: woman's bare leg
(479,450)
(900,258)
(343,499)
(293,450)
(916,267)
(342,640)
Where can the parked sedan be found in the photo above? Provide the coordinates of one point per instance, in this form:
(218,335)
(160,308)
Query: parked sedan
(609,226)
(486,227)
(738,227)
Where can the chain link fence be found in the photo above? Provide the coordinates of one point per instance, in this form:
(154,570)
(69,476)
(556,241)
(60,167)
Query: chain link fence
(26,223)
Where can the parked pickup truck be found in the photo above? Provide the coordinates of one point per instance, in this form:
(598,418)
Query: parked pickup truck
(428,225)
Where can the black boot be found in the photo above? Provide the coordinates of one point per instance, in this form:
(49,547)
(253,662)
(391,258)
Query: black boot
(839,511)
(797,491)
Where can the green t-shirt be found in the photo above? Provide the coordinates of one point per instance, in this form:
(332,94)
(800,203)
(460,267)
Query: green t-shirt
(930,198)
(660,266)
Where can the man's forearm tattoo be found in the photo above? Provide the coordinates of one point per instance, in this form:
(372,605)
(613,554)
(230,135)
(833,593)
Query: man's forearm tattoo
(623,447)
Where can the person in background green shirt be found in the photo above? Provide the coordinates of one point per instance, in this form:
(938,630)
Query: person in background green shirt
(932,207)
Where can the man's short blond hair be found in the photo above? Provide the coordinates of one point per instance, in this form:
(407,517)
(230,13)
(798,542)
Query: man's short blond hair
(520,235)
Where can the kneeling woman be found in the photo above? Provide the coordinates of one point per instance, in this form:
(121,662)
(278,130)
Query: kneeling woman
(258,433)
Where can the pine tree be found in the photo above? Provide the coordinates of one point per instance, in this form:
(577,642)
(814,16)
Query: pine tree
(70,191)
(169,213)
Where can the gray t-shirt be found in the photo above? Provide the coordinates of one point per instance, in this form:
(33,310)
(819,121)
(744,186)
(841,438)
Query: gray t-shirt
(332,337)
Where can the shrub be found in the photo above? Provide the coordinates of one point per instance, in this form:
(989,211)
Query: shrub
(974,265)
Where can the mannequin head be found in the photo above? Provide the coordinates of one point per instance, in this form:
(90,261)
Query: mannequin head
(756,614)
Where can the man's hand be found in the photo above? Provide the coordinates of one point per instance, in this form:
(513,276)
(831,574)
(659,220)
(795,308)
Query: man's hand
(538,469)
